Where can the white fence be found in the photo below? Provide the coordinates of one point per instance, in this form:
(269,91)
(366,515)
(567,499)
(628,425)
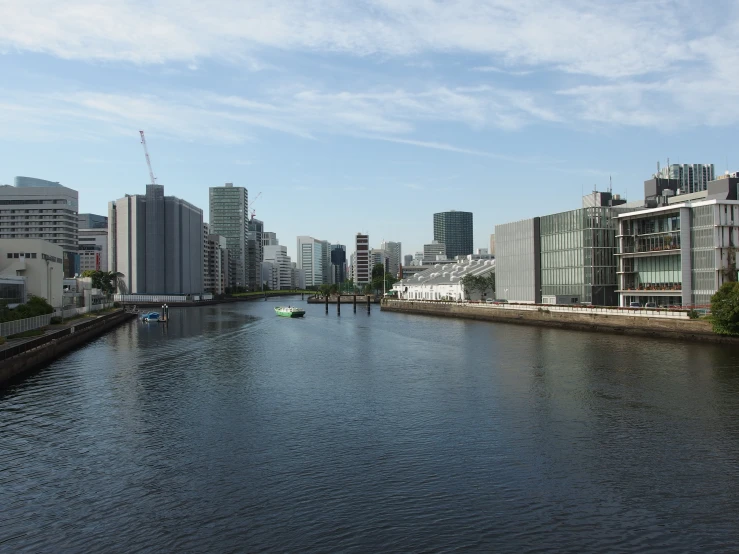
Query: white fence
(22,325)
(157,298)
(32,323)
(625,312)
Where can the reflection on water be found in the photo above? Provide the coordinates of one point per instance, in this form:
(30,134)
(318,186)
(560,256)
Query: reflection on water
(231,429)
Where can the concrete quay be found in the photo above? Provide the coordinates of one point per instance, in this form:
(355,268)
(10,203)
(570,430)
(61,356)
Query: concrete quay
(670,326)
(20,358)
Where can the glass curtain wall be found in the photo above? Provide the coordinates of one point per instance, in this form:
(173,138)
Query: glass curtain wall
(578,255)
(703,254)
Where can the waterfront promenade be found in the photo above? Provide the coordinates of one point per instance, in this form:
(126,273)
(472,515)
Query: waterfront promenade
(231,429)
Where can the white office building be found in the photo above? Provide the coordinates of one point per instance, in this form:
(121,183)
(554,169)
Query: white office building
(281,267)
(39,209)
(434,251)
(38,264)
(314,260)
(215,262)
(93,249)
(394,255)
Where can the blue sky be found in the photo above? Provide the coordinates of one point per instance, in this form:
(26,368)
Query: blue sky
(367,115)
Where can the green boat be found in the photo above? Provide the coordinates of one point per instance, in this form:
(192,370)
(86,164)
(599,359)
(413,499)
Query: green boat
(289,311)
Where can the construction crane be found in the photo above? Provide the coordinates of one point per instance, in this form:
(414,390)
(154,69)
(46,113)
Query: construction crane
(253,213)
(148,160)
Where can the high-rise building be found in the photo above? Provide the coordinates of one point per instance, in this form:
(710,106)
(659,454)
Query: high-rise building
(454,229)
(362,268)
(156,242)
(691,177)
(407,260)
(280,275)
(393,250)
(338,263)
(229,217)
(92,221)
(492,245)
(298,277)
(311,259)
(93,249)
(215,262)
(269,239)
(379,256)
(434,251)
(326,269)
(45,210)
(255,252)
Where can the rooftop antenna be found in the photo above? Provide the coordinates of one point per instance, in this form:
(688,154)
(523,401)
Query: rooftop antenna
(610,184)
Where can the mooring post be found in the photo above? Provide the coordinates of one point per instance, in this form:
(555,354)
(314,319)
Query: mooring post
(327,304)
(338,305)
(355,303)
(368,304)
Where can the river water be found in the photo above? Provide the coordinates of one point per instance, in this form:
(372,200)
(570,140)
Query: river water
(233,430)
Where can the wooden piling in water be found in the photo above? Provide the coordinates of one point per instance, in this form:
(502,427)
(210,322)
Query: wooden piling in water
(338,305)
(355,303)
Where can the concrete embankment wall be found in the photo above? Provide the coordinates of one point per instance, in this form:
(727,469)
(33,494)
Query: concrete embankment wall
(679,329)
(32,360)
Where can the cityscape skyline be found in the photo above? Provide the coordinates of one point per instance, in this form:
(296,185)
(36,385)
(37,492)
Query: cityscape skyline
(318,123)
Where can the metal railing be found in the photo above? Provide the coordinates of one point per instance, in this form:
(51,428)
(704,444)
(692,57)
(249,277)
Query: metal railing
(554,308)
(22,325)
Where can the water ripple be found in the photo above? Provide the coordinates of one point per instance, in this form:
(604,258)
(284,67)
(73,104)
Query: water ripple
(231,430)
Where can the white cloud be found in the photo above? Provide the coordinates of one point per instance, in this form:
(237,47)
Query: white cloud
(307,113)
(593,37)
(642,63)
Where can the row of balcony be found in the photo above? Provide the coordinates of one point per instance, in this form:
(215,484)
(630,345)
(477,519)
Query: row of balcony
(660,287)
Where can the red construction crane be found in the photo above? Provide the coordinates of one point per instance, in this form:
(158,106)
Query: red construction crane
(253,213)
(148,161)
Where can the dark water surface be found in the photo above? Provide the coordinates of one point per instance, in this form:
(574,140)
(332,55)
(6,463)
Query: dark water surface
(232,430)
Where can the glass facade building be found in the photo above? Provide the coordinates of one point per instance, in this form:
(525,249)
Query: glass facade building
(578,255)
(229,218)
(454,230)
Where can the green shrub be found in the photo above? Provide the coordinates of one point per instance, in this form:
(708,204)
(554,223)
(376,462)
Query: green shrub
(725,309)
(2,340)
(55,321)
(34,307)
(116,304)
(26,334)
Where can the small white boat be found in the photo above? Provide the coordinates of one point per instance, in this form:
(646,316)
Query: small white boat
(289,311)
